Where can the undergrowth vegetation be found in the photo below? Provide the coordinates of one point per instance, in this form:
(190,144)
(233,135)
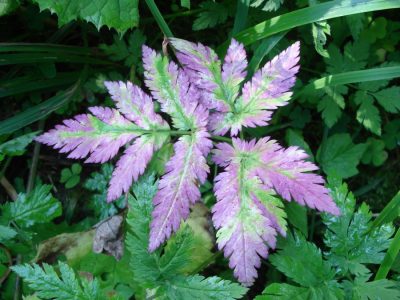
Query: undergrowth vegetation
(229,149)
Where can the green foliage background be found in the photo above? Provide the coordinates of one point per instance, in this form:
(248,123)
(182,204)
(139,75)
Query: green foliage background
(54,58)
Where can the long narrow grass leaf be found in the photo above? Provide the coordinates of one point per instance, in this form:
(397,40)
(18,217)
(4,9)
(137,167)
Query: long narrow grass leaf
(262,50)
(38,112)
(242,9)
(355,76)
(390,257)
(44,47)
(389,213)
(34,58)
(319,12)
(28,83)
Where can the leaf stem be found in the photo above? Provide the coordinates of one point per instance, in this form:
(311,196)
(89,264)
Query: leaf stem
(159,18)
(35,160)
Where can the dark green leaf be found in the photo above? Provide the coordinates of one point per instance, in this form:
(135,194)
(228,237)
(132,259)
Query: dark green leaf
(39,206)
(348,235)
(49,285)
(214,13)
(368,114)
(121,15)
(389,99)
(283,291)
(374,290)
(198,287)
(17,146)
(340,155)
(302,262)
(375,153)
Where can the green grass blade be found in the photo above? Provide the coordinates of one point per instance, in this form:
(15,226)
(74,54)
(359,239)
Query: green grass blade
(262,50)
(389,213)
(390,257)
(44,47)
(351,77)
(28,83)
(319,12)
(35,58)
(356,76)
(159,18)
(38,112)
(242,9)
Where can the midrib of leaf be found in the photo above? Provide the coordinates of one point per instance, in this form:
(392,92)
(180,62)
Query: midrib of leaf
(243,207)
(181,179)
(216,71)
(118,130)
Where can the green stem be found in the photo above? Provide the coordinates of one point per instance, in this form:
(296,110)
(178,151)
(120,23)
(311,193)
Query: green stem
(159,18)
(35,160)
(6,164)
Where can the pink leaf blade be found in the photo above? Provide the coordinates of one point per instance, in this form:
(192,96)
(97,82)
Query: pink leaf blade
(203,67)
(234,67)
(135,104)
(131,165)
(244,233)
(266,91)
(288,173)
(179,187)
(97,136)
(275,79)
(172,88)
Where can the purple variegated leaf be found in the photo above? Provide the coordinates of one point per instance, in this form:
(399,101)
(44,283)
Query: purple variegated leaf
(130,166)
(288,173)
(98,135)
(204,70)
(234,67)
(172,88)
(179,187)
(245,231)
(270,87)
(247,214)
(134,104)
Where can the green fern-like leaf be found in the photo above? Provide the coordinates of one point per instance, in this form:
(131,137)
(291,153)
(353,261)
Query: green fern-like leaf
(372,290)
(198,287)
(303,263)
(214,13)
(145,266)
(49,285)
(164,275)
(39,206)
(267,5)
(349,237)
